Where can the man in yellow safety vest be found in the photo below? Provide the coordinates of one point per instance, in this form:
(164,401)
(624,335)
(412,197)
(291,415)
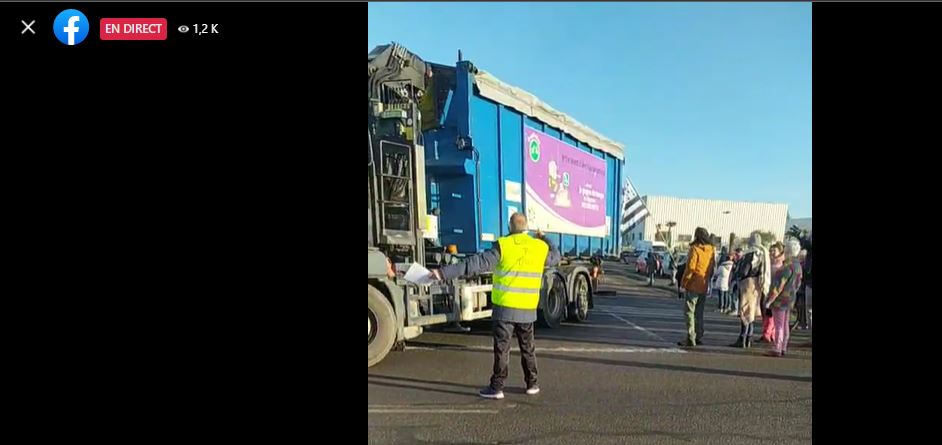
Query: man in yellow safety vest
(517,261)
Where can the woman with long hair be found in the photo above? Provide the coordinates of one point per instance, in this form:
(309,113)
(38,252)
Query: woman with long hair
(786,276)
(701,261)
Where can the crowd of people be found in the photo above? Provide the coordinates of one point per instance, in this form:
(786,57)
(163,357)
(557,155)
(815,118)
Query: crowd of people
(759,282)
(757,279)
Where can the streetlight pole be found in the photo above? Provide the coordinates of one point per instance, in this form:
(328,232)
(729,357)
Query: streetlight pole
(670,238)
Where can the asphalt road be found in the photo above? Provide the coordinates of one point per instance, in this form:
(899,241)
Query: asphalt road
(617,379)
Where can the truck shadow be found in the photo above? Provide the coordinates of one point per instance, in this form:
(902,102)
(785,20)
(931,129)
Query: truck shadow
(411,383)
(373,381)
(678,368)
(660,366)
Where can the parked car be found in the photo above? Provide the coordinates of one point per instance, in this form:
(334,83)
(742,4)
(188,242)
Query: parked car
(646,246)
(667,260)
(641,263)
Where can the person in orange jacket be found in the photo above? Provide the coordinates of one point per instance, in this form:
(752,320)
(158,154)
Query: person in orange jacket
(701,262)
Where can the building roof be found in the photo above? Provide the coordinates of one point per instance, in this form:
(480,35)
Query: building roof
(662,197)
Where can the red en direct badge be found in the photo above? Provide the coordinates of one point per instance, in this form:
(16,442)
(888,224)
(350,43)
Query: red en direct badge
(133,29)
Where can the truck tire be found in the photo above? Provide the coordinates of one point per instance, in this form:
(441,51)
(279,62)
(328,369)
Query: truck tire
(579,307)
(381,327)
(553,308)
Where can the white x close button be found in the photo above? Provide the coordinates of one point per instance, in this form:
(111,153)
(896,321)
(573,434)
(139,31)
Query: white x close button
(27,26)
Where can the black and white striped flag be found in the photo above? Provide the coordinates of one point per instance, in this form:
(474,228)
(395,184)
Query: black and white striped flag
(634,211)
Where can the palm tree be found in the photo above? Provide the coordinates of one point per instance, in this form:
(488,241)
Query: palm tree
(797,232)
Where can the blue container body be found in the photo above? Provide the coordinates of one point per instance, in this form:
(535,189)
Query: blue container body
(495,132)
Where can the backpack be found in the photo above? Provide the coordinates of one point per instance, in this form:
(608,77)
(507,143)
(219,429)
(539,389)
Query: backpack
(744,268)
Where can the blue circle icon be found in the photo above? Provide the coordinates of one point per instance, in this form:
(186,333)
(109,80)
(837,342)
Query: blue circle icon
(70,27)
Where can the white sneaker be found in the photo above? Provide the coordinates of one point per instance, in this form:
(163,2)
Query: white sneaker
(533,390)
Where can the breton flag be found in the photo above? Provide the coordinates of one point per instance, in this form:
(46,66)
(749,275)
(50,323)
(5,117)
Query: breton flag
(634,210)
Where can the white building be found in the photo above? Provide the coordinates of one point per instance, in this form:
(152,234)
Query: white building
(719,217)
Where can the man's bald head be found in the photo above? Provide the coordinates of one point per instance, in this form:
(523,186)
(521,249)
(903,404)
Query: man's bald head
(518,223)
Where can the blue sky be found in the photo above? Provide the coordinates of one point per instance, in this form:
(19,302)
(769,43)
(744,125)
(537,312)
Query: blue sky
(711,100)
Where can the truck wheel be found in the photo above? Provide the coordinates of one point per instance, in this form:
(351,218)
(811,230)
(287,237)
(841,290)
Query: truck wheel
(579,308)
(381,327)
(553,309)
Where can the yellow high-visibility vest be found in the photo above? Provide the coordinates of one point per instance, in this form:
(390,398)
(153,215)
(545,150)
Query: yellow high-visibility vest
(519,273)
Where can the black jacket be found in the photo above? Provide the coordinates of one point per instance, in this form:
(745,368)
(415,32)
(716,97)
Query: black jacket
(680,273)
(806,270)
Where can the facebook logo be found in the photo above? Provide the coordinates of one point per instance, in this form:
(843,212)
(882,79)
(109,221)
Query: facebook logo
(70,27)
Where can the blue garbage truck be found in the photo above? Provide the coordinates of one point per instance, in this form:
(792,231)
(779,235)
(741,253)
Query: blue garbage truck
(453,152)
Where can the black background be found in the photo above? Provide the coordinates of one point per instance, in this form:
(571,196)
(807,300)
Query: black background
(875,86)
(180,227)
(179,220)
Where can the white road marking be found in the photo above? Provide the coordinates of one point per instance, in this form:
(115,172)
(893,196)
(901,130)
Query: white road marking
(672,331)
(658,312)
(706,332)
(649,333)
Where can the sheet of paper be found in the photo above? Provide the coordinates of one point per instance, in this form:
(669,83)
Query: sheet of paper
(418,274)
